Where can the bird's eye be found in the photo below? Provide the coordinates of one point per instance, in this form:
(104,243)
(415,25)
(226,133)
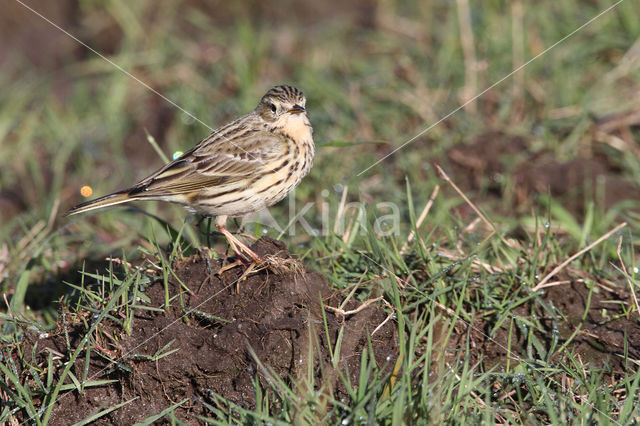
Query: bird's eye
(273,108)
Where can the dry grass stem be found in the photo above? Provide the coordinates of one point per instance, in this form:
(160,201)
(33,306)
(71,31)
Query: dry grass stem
(624,268)
(558,268)
(447,179)
(421,218)
(364,305)
(468,50)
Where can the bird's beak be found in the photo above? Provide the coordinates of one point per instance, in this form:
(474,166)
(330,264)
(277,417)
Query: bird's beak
(297,109)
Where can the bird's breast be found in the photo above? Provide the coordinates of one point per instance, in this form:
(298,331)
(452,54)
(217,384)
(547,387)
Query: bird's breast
(270,182)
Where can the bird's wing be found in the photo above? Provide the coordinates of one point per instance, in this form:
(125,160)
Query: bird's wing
(212,162)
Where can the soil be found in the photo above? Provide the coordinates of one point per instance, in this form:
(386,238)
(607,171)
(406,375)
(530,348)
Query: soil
(226,333)
(600,339)
(486,161)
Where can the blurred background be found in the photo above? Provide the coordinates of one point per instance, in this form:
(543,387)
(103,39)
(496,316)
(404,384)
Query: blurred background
(557,139)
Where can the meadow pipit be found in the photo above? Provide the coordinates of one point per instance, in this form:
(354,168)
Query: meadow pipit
(244,166)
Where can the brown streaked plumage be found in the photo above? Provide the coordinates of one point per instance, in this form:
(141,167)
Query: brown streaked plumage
(246,165)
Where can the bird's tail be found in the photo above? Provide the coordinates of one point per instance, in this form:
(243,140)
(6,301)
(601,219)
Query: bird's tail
(98,203)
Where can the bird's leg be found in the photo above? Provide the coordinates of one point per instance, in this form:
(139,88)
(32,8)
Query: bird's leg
(236,245)
(208,231)
(208,262)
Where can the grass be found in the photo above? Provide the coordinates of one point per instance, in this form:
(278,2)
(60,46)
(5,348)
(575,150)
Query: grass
(475,340)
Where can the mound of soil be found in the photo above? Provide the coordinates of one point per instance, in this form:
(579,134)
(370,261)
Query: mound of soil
(227,333)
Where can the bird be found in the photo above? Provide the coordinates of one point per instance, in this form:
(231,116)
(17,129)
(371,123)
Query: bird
(242,167)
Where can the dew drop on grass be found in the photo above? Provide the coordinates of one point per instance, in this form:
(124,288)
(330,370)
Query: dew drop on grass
(338,188)
(517,379)
(345,421)
(264,231)
(388,358)
(538,130)
(635,270)
(547,225)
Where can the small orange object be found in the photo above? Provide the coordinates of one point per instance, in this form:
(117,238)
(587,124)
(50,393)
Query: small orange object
(86,191)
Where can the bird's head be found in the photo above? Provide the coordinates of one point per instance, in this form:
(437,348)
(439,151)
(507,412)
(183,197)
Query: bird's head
(282,104)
